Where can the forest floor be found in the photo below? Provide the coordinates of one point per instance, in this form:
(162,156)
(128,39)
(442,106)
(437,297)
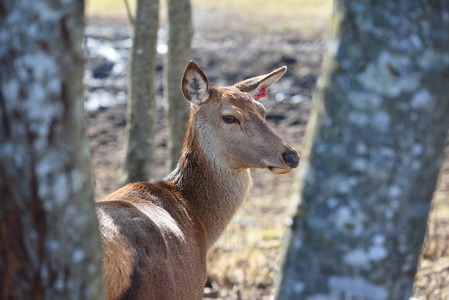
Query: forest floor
(244,261)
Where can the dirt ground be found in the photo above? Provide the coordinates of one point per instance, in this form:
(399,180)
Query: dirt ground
(244,261)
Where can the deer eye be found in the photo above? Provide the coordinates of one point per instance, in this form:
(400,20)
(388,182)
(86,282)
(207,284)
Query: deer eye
(230,119)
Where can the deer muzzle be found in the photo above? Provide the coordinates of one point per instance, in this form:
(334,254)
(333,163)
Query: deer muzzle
(291,158)
(288,160)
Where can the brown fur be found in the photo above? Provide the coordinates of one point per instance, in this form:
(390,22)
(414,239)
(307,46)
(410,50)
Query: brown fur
(156,236)
(119,257)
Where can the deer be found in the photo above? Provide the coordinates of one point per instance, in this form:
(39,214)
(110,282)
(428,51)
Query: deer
(155,236)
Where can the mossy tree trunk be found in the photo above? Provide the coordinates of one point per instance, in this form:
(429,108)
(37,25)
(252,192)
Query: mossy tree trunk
(180,34)
(49,242)
(141,114)
(375,147)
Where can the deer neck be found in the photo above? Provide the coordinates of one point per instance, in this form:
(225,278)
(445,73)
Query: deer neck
(211,191)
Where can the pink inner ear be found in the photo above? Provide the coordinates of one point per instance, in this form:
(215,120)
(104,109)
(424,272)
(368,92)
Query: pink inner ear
(262,93)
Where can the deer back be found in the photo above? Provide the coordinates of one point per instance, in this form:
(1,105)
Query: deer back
(150,243)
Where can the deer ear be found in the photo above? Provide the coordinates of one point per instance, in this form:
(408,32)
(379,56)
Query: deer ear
(257,86)
(195,86)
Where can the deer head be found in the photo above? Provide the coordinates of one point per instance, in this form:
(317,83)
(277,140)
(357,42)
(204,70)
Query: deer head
(231,124)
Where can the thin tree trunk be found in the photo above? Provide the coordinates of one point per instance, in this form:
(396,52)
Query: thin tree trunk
(49,242)
(375,147)
(180,34)
(141,115)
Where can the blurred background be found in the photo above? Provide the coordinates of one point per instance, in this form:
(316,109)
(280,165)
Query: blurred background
(234,40)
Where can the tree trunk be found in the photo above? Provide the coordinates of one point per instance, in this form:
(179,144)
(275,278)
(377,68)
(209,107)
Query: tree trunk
(141,115)
(49,242)
(375,146)
(180,34)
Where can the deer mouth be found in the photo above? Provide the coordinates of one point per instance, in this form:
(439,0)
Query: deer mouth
(276,167)
(279,170)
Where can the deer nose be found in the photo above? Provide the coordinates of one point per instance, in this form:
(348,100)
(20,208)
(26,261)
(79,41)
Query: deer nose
(291,158)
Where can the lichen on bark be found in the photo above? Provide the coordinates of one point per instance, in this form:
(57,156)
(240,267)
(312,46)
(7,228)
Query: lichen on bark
(49,242)
(375,146)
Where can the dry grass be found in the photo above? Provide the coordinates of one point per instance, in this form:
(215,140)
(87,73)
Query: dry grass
(247,254)
(307,16)
(432,279)
(114,8)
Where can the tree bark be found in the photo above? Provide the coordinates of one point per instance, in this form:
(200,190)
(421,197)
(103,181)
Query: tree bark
(49,242)
(141,114)
(375,147)
(180,34)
